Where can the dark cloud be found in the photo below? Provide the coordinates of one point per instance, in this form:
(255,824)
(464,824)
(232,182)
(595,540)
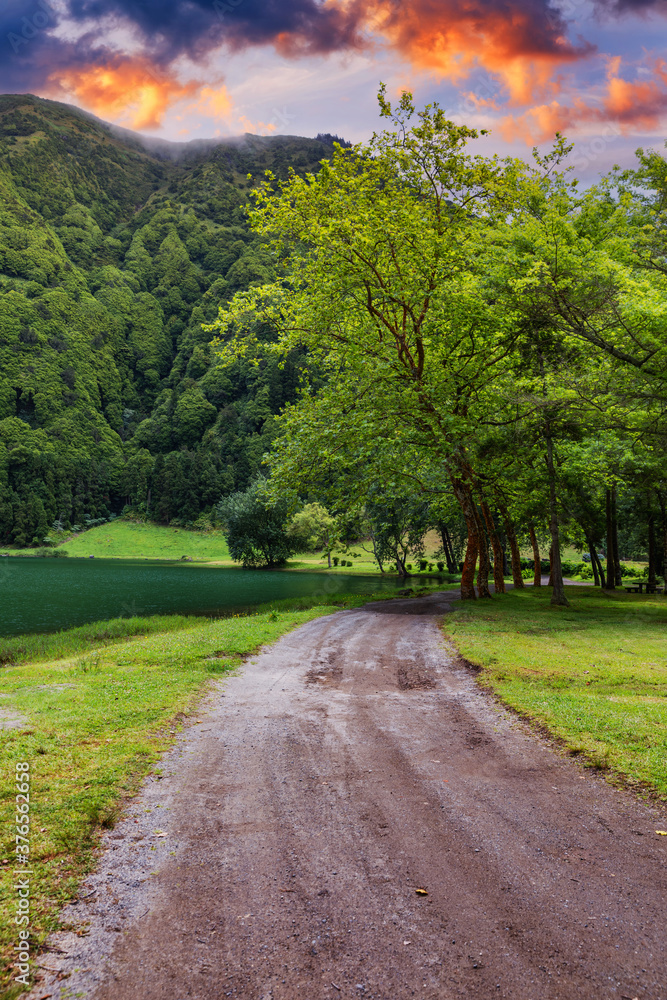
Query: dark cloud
(166,29)
(521,42)
(616,7)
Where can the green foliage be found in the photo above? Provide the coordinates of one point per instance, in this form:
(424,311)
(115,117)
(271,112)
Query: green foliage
(313,528)
(112,255)
(489,338)
(255,527)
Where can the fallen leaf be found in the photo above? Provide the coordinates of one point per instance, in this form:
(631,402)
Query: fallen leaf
(421,892)
(407,942)
(661,833)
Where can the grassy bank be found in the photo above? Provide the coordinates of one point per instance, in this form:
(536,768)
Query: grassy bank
(132,540)
(122,539)
(594,674)
(93,708)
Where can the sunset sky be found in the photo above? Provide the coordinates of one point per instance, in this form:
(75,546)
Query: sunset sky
(184,69)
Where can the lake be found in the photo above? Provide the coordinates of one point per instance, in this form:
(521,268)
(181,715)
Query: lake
(44,595)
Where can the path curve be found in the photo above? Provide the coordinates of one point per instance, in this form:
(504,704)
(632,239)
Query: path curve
(350,765)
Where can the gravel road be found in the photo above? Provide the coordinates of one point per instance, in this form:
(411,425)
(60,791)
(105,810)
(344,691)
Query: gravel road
(353,818)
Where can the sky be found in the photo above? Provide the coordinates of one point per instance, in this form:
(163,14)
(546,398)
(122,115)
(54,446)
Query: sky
(186,69)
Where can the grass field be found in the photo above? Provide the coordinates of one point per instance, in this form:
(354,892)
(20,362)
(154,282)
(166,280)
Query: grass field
(132,540)
(594,674)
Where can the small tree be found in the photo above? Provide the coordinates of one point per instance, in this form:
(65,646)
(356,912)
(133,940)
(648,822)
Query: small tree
(313,528)
(254,527)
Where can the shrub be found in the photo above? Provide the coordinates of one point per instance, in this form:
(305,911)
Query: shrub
(335,560)
(423,563)
(255,528)
(441,567)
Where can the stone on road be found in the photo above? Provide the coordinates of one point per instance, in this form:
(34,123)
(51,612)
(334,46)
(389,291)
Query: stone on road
(339,773)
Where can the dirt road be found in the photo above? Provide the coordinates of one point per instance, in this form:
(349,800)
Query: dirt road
(342,772)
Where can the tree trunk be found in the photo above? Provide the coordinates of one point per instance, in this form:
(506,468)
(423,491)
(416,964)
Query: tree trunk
(594,561)
(662,500)
(610,582)
(400,566)
(517,578)
(447,547)
(537,559)
(550,581)
(329,557)
(498,578)
(618,579)
(484,565)
(464,497)
(651,548)
(558,594)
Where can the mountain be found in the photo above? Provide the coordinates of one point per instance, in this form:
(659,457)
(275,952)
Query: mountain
(114,249)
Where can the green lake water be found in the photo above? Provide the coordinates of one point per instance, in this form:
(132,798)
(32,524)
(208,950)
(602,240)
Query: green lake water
(44,595)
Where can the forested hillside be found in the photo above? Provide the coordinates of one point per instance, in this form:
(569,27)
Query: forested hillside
(113,252)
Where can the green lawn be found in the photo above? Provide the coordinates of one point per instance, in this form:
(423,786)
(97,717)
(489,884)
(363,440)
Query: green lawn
(594,674)
(133,540)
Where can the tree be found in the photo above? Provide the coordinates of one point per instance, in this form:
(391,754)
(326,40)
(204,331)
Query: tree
(313,528)
(255,529)
(384,288)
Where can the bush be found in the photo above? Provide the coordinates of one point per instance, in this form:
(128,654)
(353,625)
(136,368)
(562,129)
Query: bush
(335,560)
(255,527)
(441,567)
(423,563)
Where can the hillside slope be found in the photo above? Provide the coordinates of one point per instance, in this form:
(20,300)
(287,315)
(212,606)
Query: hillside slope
(113,251)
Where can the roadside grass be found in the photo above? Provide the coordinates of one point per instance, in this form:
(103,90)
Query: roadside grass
(99,704)
(594,674)
(94,725)
(56,645)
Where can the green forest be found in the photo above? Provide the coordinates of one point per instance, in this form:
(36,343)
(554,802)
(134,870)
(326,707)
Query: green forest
(112,255)
(393,338)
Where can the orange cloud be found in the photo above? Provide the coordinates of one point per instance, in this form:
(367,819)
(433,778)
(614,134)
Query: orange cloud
(624,104)
(522,44)
(214,102)
(638,102)
(539,124)
(131,91)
